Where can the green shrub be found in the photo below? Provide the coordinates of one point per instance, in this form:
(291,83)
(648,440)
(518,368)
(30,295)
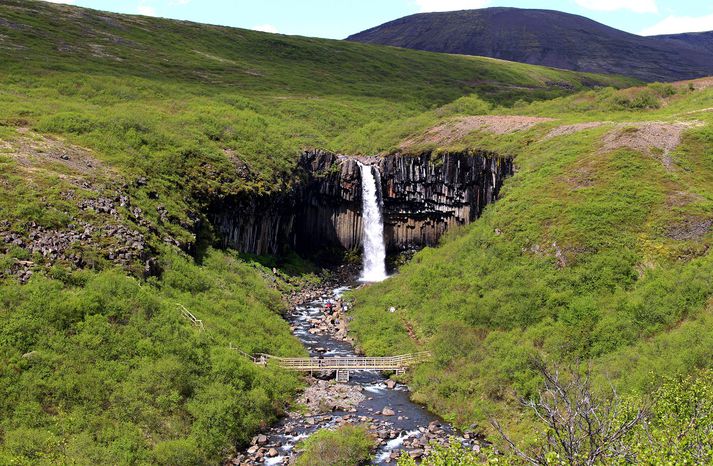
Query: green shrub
(453,454)
(32,445)
(345,446)
(672,425)
(641,99)
(468,105)
(663,90)
(645,100)
(69,122)
(182,452)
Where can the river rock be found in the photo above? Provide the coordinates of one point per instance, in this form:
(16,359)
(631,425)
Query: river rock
(272,453)
(388,412)
(322,396)
(390,384)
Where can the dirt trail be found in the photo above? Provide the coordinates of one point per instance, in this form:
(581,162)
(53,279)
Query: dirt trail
(657,139)
(454,130)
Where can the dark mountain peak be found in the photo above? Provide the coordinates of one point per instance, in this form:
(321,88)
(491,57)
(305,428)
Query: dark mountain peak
(550,38)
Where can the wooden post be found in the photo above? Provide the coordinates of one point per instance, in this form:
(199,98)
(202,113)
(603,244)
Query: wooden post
(342,376)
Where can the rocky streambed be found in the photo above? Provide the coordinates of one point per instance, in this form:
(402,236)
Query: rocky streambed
(369,398)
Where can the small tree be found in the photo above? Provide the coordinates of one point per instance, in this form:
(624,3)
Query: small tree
(581,427)
(680,427)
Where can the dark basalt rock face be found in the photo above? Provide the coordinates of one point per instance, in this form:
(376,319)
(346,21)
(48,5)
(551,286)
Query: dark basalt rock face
(423,196)
(256,224)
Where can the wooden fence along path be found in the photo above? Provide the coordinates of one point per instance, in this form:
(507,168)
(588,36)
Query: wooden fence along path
(188,315)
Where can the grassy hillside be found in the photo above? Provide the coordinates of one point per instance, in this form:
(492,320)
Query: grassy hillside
(143,89)
(115,133)
(598,250)
(99,368)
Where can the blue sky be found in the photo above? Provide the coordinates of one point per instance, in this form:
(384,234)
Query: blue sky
(337,19)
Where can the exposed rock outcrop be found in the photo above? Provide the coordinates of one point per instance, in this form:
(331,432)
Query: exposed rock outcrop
(257,224)
(423,196)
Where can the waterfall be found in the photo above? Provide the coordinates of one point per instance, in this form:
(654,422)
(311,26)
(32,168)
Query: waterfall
(373,225)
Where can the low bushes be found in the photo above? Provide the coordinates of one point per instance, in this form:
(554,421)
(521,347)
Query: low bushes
(100,368)
(346,446)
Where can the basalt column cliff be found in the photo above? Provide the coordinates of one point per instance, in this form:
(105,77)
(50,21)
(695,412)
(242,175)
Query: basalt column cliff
(422,195)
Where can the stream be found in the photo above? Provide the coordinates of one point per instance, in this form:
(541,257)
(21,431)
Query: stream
(369,398)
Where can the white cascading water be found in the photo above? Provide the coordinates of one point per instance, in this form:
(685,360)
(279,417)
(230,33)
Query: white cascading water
(374,249)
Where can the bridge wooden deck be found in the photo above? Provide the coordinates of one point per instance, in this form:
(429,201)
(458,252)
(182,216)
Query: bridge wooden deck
(389,363)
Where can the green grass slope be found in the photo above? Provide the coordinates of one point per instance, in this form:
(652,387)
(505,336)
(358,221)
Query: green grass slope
(115,133)
(143,89)
(598,251)
(99,368)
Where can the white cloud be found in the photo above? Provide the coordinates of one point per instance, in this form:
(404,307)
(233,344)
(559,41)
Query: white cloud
(676,24)
(450,5)
(180,2)
(146,10)
(637,6)
(265,28)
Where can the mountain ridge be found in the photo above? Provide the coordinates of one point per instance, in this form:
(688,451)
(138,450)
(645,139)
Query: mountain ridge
(549,38)
(702,40)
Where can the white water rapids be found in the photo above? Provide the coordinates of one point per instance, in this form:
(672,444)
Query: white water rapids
(374,249)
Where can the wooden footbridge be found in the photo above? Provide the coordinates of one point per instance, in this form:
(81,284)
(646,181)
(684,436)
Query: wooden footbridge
(344,365)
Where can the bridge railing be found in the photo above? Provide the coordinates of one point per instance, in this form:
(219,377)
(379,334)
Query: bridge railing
(354,363)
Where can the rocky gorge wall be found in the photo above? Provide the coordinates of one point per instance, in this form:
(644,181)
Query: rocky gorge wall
(422,196)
